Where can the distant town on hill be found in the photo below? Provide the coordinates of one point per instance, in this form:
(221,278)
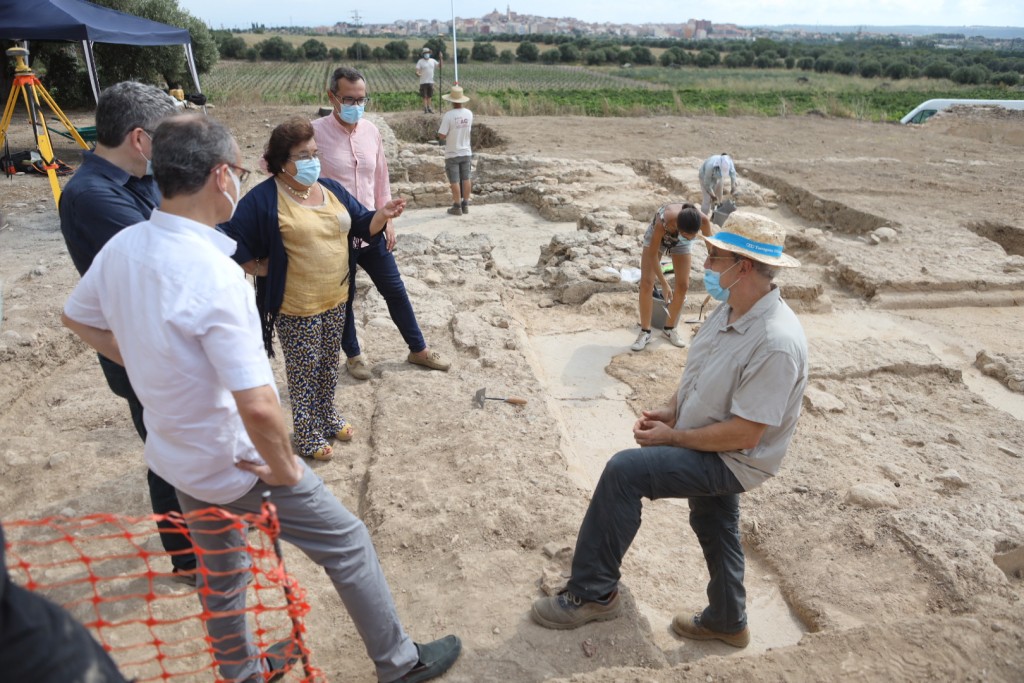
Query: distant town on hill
(509,22)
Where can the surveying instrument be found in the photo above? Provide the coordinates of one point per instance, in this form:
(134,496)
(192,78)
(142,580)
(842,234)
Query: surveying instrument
(27,84)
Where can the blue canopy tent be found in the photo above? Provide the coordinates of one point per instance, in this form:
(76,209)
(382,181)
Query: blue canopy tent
(77,20)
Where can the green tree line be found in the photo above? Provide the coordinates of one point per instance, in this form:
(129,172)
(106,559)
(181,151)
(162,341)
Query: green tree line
(62,64)
(867,58)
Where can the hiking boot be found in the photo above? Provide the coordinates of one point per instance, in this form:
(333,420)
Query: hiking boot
(465,207)
(435,658)
(689,626)
(676,337)
(642,340)
(433,360)
(565,610)
(455,210)
(358,367)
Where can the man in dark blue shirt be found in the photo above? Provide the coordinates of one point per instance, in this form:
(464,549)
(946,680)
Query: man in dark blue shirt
(114,188)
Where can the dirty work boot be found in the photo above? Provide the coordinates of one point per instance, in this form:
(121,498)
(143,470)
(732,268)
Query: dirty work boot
(436,657)
(642,340)
(465,207)
(689,626)
(676,337)
(565,610)
(455,210)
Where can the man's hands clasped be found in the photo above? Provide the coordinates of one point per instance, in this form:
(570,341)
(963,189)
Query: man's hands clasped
(654,428)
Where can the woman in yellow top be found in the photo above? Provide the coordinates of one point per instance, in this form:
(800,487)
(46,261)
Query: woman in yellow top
(294,232)
(672,231)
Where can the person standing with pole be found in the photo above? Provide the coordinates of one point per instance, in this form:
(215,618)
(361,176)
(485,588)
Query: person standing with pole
(425,70)
(456,126)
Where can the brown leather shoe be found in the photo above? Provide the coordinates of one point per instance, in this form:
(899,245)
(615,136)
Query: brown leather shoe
(433,360)
(565,610)
(358,367)
(689,626)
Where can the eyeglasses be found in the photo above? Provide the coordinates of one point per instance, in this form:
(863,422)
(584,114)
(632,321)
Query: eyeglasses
(305,156)
(243,173)
(732,257)
(352,101)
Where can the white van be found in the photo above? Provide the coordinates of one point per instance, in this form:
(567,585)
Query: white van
(926,110)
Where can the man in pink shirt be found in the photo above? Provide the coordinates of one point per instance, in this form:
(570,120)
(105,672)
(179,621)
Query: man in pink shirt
(352,152)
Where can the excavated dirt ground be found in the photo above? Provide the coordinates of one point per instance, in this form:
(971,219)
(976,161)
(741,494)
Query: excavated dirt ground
(888,548)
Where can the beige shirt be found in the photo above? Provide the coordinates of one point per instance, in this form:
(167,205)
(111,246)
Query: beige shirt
(316,241)
(754,368)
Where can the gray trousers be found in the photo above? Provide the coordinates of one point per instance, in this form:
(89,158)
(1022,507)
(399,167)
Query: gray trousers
(711,183)
(316,522)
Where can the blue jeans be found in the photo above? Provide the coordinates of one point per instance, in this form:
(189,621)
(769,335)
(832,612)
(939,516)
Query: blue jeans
(380,265)
(162,496)
(613,519)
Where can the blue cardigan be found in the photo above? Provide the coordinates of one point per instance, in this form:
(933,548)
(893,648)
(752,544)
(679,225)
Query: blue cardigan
(256,229)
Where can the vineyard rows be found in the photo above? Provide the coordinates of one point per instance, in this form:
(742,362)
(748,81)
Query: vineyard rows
(233,82)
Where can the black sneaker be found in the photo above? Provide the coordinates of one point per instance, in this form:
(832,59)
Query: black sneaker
(455,210)
(465,207)
(281,656)
(435,658)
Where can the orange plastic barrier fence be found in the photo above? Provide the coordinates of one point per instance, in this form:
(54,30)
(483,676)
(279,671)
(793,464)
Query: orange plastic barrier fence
(113,575)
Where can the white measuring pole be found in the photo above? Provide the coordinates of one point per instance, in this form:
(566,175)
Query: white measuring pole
(455,45)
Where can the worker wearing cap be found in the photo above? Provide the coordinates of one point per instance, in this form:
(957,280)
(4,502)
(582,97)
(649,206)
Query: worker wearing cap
(425,70)
(725,431)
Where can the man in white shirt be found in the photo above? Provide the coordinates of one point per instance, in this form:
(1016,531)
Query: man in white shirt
(455,130)
(425,70)
(164,299)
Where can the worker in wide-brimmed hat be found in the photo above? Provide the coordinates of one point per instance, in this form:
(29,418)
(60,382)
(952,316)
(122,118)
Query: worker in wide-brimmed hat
(454,132)
(724,432)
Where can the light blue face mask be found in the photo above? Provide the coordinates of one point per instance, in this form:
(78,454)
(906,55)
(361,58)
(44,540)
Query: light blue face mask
(307,171)
(351,113)
(713,284)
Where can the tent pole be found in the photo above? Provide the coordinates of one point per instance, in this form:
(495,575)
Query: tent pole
(90,66)
(190,58)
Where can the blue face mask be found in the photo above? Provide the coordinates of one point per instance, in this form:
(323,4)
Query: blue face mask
(713,284)
(307,171)
(351,113)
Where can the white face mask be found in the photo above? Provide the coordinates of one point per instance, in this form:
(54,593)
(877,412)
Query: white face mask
(149,162)
(238,193)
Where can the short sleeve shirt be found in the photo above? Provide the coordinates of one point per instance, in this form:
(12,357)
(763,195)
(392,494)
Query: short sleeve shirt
(426,68)
(186,323)
(754,368)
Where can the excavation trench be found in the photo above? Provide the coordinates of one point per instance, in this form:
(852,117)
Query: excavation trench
(595,417)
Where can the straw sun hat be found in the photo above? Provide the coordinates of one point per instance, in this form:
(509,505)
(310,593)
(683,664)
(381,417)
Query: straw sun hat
(753,236)
(456,95)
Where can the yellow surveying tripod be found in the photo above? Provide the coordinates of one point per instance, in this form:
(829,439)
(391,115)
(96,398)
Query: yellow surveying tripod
(32,91)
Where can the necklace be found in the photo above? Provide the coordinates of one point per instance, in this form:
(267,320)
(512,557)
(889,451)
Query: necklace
(301,195)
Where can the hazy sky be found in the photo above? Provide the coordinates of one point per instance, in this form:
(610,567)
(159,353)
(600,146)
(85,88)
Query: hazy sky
(229,13)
